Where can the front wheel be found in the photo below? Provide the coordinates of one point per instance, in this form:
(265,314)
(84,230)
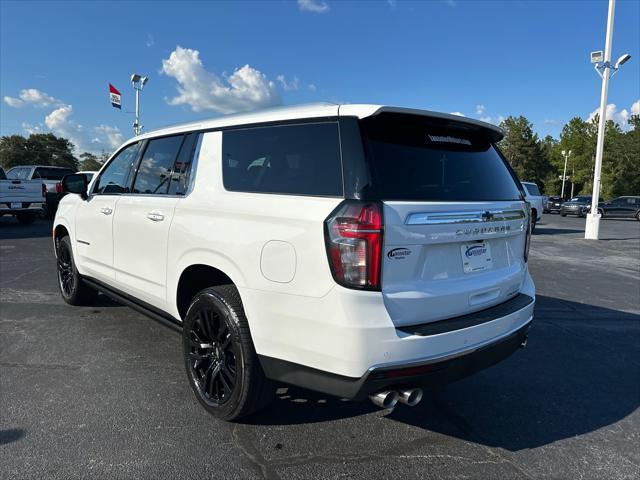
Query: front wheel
(222,366)
(73,290)
(638,216)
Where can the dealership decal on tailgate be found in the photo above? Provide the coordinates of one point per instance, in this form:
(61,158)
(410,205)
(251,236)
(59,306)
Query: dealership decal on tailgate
(476,257)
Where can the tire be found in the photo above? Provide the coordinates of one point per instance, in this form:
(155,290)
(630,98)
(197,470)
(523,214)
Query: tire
(601,212)
(563,214)
(72,288)
(638,216)
(26,218)
(221,363)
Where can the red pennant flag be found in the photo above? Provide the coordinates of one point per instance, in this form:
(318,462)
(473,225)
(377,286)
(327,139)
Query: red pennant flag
(116,98)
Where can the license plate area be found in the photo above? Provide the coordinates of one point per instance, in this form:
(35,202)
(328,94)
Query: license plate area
(16,204)
(476,257)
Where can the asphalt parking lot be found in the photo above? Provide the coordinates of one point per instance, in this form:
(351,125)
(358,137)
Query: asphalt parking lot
(100,392)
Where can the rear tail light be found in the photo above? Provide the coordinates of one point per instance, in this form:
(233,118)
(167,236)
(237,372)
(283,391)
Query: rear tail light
(353,238)
(59,187)
(527,241)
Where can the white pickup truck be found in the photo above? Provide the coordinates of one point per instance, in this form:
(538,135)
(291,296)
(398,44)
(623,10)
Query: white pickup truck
(24,199)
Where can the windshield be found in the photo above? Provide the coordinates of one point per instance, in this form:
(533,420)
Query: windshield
(532,189)
(417,158)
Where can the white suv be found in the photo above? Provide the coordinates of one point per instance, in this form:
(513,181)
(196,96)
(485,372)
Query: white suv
(356,250)
(534,197)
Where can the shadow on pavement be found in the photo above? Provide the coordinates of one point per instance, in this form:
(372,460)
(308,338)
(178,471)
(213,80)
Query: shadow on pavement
(555,231)
(11,435)
(579,373)
(10,229)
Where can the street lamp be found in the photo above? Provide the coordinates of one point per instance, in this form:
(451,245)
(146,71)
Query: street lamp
(138,82)
(592,226)
(564,174)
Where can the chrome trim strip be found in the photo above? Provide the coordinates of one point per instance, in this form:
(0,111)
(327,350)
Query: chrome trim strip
(445,218)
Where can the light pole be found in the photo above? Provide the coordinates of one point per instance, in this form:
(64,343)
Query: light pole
(138,81)
(592,226)
(564,174)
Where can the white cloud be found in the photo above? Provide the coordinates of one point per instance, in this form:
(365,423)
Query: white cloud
(33,97)
(312,87)
(480,109)
(495,120)
(294,84)
(61,123)
(460,114)
(551,122)
(621,117)
(114,137)
(13,102)
(392,3)
(245,89)
(150,41)
(316,6)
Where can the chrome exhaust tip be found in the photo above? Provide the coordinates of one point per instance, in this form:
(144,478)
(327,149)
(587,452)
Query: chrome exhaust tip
(410,396)
(385,398)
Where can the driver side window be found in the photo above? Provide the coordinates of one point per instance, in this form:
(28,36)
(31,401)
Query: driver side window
(114,179)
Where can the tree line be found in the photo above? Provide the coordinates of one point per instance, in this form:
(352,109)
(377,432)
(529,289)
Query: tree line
(541,160)
(533,159)
(46,149)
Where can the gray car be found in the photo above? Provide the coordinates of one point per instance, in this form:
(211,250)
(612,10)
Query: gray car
(578,206)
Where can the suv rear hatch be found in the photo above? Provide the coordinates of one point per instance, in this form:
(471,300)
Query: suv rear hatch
(455,222)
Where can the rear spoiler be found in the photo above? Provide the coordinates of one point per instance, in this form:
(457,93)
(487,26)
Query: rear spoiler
(493,133)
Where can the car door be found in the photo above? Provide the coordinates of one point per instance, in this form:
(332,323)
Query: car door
(143,218)
(94,217)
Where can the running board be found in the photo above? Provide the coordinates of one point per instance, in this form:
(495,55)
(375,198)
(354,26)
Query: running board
(138,305)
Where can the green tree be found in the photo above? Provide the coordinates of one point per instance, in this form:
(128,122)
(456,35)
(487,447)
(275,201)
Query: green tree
(622,166)
(524,150)
(38,149)
(14,151)
(88,161)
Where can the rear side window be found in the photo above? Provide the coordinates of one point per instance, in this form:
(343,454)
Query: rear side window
(18,173)
(532,189)
(114,179)
(418,158)
(154,172)
(302,159)
(2,175)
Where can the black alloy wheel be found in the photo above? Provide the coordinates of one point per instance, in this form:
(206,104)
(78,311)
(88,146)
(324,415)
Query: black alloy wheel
(213,356)
(221,362)
(73,290)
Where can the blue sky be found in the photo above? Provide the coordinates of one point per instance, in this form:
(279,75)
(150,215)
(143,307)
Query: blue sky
(483,59)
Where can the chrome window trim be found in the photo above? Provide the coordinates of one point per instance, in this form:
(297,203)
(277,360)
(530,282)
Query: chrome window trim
(447,218)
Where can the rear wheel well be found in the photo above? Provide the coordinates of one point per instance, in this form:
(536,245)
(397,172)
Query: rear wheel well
(195,279)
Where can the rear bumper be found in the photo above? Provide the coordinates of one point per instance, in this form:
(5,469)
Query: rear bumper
(27,207)
(426,373)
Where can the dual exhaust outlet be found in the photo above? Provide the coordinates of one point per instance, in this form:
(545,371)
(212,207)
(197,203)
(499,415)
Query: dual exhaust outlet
(390,398)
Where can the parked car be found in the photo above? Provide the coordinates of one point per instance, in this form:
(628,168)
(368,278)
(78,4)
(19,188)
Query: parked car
(356,250)
(579,206)
(534,197)
(627,206)
(553,204)
(24,199)
(49,176)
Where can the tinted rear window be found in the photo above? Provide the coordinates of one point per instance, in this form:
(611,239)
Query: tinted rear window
(532,189)
(418,158)
(302,159)
(51,173)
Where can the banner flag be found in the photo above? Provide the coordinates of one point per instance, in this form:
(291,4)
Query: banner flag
(116,99)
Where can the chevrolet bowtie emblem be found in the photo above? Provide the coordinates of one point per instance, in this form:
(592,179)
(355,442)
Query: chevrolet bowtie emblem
(487,216)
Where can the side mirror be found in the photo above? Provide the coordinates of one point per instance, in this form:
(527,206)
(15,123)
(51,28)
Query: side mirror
(75,183)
